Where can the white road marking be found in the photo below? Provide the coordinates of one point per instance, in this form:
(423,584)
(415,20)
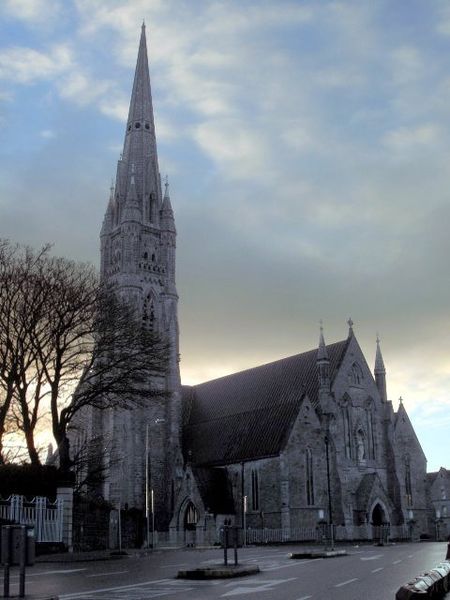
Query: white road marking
(346,582)
(376,557)
(112,589)
(293,564)
(304,598)
(379,569)
(107,574)
(62,572)
(396,562)
(261,586)
(410,555)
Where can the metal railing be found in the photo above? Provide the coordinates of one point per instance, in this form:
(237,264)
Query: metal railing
(46,517)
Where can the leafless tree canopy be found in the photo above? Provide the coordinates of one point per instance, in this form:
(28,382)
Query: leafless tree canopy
(66,342)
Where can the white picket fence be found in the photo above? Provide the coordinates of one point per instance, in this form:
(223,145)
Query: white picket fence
(46,517)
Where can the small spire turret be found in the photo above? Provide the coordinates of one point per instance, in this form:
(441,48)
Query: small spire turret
(380,372)
(108,218)
(323,362)
(132,210)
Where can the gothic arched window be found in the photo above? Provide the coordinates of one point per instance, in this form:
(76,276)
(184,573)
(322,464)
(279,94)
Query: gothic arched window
(347,430)
(255,490)
(151,207)
(408,486)
(191,516)
(309,472)
(148,313)
(356,375)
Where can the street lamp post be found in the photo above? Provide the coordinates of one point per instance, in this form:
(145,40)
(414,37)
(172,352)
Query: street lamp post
(147,503)
(330,515)
(245,521)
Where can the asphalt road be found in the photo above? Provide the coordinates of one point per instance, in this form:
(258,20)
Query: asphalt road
(367,573)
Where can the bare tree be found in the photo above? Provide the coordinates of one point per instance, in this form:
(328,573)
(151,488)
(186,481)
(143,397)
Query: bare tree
(20,302)
(80,345)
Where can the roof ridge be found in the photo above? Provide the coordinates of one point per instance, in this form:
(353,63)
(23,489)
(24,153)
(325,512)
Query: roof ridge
(272,362)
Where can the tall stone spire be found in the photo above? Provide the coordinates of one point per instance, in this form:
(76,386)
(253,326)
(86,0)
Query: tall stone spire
(140,141)
(138,251)
(380,372)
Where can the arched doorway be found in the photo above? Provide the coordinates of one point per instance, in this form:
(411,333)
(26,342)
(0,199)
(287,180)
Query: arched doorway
(190,524)
(378,515)
(380,524)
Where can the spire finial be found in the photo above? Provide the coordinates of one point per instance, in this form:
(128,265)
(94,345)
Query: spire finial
(322,353)
(400,400)
(350,327)
(166,185)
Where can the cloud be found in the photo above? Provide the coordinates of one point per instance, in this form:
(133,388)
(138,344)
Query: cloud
(238,151)
(32,11)
(47,134)
(407,65)
(83,89)
(405,140)
(6,96)
(26,65)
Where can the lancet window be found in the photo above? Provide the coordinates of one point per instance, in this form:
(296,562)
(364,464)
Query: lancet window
(408,486)
(255,490)
(356,375)
(309,477)
(148,314)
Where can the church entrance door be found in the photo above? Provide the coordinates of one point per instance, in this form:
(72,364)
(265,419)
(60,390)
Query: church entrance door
(190,524)
(380,525)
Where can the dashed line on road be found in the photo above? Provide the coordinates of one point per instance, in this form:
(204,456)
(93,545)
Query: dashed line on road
(396,562)
(107,574)
(304,598)
(379,569)
(346,582)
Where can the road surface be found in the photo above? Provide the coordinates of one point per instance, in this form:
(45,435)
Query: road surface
(367,573)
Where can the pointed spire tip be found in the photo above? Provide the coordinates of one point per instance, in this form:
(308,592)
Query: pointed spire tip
(322,353)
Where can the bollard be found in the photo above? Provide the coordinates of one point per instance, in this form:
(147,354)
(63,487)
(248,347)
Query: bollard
(22,560)
(448,550)
(6,558)
(225,545)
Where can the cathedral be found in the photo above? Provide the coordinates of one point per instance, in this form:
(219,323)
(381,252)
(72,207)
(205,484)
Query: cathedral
(284,446)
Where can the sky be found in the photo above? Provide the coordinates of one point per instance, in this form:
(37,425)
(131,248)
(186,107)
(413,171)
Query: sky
(307,145)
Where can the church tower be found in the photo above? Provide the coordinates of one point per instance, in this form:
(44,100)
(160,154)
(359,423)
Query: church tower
(138,240)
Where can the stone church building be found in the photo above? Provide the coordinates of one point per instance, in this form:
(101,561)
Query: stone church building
(269,448)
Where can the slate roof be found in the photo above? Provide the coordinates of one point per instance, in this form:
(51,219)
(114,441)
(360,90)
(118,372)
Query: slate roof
(250,414)
(215,489)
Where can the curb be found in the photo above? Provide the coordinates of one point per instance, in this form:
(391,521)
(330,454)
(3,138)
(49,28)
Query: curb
(318,554)
(432,584)
(218,572)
